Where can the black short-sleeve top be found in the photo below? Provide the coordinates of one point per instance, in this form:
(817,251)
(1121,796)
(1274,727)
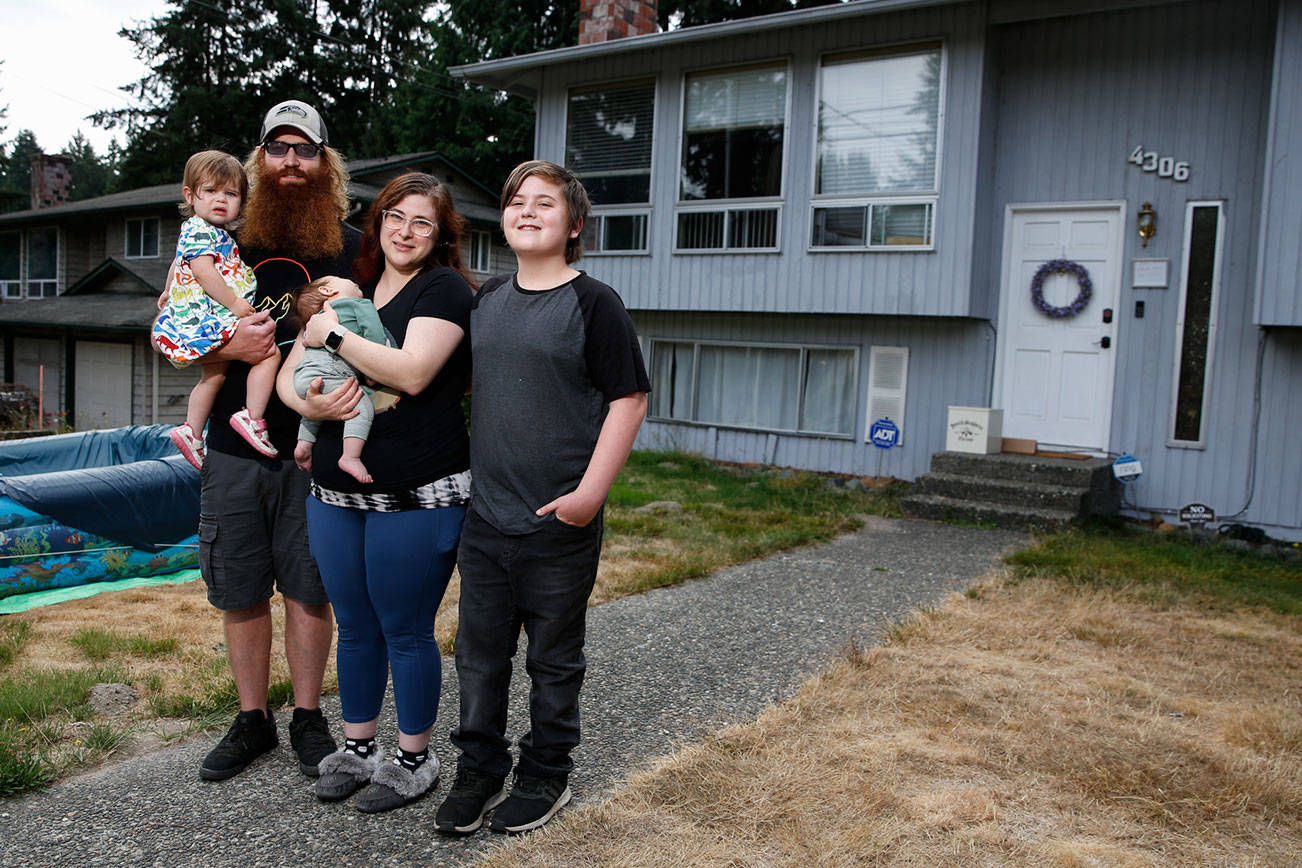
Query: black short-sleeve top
(422,437)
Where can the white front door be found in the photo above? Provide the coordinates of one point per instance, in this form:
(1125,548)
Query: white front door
(103,385)
(1054,374)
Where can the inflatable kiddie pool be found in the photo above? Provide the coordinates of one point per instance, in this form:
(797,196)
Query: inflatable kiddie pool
(95,506)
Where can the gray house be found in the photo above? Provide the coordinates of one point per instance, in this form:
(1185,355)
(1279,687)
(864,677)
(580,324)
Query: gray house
(79,283)
(1085,214)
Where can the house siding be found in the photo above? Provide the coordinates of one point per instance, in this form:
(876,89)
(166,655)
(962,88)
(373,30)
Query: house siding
(1192,80)
(152,268)
(936,283)
(940,351)
(173,387)
(1279,290)
(1273,493)
(80,243)
(1042,104)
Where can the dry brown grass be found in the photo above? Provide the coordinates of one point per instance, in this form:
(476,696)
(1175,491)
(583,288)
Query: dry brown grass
(199,666)
(1026,724)
(179,611)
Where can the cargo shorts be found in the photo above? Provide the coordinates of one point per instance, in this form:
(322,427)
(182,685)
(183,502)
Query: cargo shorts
(253,532)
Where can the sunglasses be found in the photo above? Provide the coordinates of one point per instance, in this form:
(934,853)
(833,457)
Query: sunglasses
(302,150)
(395,220)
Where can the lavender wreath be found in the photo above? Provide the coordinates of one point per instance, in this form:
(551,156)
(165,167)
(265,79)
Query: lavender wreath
(1061,266)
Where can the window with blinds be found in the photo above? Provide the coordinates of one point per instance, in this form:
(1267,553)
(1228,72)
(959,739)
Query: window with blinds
(804,389)
(734,128)
(608,136)
(879,116)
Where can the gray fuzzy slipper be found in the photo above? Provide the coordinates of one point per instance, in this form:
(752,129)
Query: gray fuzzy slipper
(342,773)
(392,786)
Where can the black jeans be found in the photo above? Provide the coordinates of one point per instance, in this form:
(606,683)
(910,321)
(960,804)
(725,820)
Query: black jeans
(540,581)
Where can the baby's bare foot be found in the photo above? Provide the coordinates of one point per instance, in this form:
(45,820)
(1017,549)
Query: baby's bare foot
(355,468)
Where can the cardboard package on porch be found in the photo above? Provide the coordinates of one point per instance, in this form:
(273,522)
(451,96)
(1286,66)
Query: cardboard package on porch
(974,429)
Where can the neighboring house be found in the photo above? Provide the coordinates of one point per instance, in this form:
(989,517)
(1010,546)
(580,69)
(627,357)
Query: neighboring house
(79,282)
(826,217)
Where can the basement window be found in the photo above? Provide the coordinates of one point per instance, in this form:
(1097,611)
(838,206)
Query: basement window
(770,387)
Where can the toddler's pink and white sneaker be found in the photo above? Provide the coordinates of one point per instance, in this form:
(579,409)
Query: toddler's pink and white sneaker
(190,444)
(254,432)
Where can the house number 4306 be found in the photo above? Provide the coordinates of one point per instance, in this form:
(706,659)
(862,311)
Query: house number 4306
(1166,167)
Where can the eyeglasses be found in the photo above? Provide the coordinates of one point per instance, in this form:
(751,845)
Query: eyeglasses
(395,220)
(302,150)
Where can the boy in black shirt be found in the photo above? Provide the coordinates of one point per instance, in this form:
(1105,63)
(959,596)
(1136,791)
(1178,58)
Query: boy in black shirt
(559,393)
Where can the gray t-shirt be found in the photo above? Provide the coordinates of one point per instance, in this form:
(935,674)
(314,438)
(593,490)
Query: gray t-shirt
(546,365)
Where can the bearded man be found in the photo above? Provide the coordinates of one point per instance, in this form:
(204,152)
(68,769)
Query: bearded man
(252,526)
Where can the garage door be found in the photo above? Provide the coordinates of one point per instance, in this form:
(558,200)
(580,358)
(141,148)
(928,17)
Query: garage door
(102,396)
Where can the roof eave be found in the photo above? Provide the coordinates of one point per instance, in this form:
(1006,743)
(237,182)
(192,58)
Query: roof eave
(515,74)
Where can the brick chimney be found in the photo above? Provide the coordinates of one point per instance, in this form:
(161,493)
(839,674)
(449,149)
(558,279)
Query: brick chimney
(51,180)
(604,20)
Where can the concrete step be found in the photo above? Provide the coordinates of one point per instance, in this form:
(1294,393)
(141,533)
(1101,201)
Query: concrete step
(1027,468)
(940,508)
(1009,492)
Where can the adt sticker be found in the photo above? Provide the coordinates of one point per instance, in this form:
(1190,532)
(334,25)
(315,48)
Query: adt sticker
(1127,468)
(884,434)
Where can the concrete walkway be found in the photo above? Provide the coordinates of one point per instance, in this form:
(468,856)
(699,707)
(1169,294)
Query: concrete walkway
(664,668)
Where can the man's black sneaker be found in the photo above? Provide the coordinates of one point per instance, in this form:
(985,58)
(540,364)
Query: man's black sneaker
(310,738)
(472,796)
(533,801)
(251,735)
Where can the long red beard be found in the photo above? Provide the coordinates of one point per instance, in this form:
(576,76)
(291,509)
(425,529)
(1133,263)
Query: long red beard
(294,218)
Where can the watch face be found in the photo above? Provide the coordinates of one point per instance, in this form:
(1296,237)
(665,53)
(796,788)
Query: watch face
(334,339)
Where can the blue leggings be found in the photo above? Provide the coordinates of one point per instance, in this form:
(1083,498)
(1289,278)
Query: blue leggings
(385,573)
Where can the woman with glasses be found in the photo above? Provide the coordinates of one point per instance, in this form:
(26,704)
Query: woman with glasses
(386,547)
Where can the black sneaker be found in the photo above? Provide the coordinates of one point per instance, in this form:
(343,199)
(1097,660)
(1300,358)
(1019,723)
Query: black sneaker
(473,795)
(251,735)
(310,738)
(533,801)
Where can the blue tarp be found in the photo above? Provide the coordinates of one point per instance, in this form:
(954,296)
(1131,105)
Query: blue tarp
(85,449)
(129,484)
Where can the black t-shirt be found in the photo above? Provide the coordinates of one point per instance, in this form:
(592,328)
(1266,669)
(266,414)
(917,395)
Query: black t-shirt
(547,365)
(279,274)
(422,437)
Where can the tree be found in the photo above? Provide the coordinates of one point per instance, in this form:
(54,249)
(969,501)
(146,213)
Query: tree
(482,131)
(16,186)
(91,174)
(4,156)
(4,113)
(215,67)
(365,50)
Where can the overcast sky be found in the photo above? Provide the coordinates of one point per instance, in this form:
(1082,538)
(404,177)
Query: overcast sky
(63,60)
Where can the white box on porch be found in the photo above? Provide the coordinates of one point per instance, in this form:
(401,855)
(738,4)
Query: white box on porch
(974,429)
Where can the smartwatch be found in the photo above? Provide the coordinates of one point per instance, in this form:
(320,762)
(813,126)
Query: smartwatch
(334,339)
